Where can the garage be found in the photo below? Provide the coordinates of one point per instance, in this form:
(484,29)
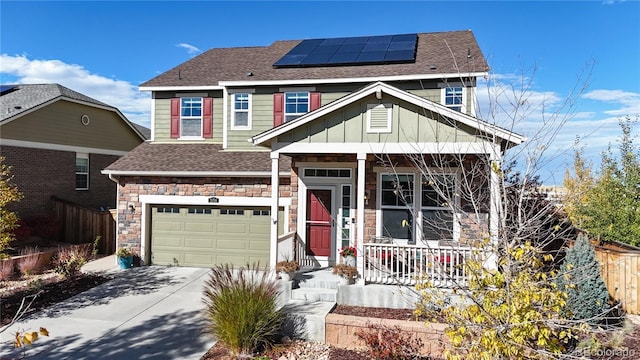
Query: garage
(204,236)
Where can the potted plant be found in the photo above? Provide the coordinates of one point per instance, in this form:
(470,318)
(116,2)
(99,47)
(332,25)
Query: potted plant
(347,273)
(348,254)
(287,269)
(125,257)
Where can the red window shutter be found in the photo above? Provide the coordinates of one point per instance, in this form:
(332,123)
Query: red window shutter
(278,109)
(314,101)
(175,118)
(207,117)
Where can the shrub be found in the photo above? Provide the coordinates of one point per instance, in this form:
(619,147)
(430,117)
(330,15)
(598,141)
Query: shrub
(346,271)
(69,260)
(287,266)
(30,261)
(7,268)
(241,307)
(588,298)
(389,343)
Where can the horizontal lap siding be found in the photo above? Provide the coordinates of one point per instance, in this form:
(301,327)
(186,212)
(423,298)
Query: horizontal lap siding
(162,125)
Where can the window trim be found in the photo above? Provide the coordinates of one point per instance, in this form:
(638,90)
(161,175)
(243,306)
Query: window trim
(443,96)
(234,111)
(83,156)
(201,118)
(286,114)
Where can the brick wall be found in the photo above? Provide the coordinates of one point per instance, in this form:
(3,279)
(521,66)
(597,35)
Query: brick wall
(40,174)
(129,224)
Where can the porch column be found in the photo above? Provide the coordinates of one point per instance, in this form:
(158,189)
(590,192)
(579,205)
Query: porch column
(495,162)
(362,157)
(275,199)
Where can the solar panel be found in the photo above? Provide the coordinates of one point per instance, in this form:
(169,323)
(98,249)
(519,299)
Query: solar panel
(5,88)
(358,50)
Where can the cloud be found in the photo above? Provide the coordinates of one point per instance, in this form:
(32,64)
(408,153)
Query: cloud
(135,105)
(190,48)
(629,101)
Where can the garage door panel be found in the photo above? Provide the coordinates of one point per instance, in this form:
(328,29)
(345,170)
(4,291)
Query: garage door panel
(166,258)
(199,243)
(169,241)
(239,244)
(198,227)
(231,228)
(166,225)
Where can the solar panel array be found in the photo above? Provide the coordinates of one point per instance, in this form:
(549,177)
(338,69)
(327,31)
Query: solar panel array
(5,88)
(361,50)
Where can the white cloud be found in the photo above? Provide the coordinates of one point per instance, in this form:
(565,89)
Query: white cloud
(190,48)
(628,103)
(135,105)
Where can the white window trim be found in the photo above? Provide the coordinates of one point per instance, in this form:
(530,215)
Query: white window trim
(248,111)
(192,137)
(286,114)
(443,95)
(83,156)
(456,224)
(387,129)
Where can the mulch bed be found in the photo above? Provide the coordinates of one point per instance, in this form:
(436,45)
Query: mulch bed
(53,290)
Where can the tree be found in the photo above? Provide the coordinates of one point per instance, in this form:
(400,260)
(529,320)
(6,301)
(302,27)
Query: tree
(608,207)
(587,295)
(8,193)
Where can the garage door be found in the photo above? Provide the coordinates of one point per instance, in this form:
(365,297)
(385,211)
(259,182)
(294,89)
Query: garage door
(204,236)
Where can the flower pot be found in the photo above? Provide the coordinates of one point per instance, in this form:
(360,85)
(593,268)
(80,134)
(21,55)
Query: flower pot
(286,276)
(125,262)
(349,260)
(347,281)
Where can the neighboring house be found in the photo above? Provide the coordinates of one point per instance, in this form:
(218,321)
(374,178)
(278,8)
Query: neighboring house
(57,142)
(264,153)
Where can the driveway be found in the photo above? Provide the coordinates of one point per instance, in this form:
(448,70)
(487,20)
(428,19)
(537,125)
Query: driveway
(147,312)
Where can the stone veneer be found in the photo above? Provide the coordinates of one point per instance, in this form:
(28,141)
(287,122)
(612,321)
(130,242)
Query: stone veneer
(130,189)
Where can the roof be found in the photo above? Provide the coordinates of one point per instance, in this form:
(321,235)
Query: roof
(484,127)
(196,159)
(454,52)
(18,100)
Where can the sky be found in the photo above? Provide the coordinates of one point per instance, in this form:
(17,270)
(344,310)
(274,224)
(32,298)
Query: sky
(569,63)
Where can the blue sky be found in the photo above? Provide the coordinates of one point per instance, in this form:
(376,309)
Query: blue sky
(105,49)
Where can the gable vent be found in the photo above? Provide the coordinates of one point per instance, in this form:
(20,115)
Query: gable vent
(379,118)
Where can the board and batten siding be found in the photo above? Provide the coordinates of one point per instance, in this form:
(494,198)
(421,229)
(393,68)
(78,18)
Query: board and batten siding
(162,130)
(410,124)
(60,123)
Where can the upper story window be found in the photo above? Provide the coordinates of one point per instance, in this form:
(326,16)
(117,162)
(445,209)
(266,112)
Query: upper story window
(296,104)
(82,171)
(454,97)
(241,115)
(191,117)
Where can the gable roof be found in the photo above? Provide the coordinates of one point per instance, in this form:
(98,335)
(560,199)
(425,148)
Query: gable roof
(453,53)
(22,99)
(504,135)
(169,159)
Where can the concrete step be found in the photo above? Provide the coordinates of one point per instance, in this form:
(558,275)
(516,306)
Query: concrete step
(322,279)
(315,294)
(306,320)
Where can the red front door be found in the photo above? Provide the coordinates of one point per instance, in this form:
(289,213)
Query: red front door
(319,222)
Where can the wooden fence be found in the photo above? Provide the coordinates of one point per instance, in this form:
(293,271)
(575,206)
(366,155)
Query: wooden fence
(620,271)
(82,225)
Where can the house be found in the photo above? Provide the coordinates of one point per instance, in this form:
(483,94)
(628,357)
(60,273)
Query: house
(274,152)
(57,141)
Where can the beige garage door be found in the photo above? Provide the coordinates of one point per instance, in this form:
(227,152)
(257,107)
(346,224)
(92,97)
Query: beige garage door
(204,236)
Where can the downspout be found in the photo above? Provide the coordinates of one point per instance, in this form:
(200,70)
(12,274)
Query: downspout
(115,180)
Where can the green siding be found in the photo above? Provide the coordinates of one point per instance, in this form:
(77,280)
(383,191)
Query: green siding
(59,123)
(163,119)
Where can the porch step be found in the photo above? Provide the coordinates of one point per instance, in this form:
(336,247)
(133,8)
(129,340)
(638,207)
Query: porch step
(320,279)
(306,320)
(311,294)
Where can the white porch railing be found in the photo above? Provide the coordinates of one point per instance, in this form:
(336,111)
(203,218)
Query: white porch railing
(442,266)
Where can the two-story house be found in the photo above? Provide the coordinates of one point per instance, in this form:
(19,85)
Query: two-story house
(264,153)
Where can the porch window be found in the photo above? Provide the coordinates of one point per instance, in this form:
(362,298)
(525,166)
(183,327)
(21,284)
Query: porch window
(437,214)
(396,205)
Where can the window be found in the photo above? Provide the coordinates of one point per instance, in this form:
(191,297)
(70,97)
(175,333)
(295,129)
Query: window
(437,214)
(191,117)
(454,98)
(334,173)
(82,171)
(296,104)
(396,204)
(241,116)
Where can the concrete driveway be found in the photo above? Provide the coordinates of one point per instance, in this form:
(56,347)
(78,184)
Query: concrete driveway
(148,312)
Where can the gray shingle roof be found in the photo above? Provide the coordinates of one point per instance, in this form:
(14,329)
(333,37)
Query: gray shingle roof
(450,52)
(165,157)
(26,97)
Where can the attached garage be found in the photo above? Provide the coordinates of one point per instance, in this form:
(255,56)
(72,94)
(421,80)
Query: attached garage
(204,236)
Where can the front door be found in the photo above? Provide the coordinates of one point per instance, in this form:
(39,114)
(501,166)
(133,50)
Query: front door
(319,222)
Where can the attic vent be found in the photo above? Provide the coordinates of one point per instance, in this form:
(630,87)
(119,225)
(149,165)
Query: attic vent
(379,118)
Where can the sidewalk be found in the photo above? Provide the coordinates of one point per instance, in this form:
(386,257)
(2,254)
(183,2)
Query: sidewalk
(151,312)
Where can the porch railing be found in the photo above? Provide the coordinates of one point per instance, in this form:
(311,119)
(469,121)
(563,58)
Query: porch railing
(442,266)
